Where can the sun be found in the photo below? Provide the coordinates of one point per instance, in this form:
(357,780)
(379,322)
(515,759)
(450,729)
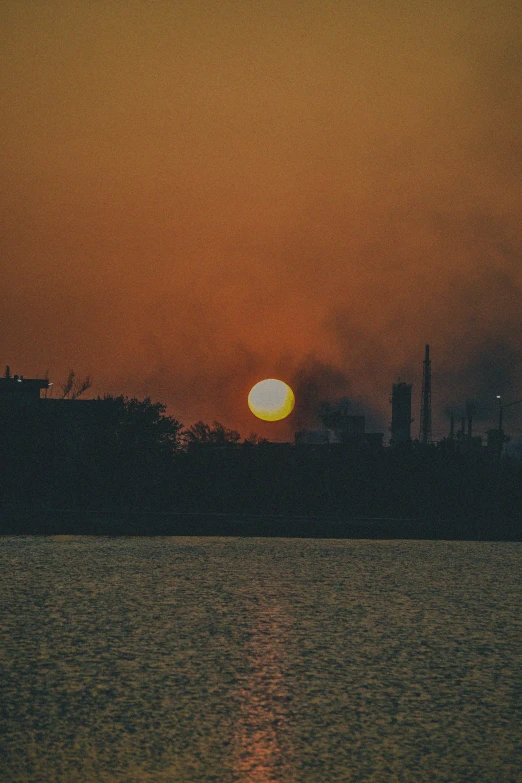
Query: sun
(271,400)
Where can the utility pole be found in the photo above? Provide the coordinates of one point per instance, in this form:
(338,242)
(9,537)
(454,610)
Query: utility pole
(425,417)
(501,437)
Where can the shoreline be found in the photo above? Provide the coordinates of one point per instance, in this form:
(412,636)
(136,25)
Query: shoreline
(81,522)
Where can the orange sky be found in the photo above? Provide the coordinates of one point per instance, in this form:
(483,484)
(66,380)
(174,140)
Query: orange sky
(197,195)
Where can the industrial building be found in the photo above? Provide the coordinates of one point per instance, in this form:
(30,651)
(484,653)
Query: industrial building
(15,390)
(21,400)
(352,432)
(401,413)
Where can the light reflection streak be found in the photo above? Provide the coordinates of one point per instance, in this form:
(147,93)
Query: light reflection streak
(263,754)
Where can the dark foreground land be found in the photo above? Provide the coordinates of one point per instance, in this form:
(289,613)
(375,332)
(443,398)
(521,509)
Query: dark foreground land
(96,523)
(120,467)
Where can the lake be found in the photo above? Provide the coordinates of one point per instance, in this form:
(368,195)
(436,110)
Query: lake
(252,660)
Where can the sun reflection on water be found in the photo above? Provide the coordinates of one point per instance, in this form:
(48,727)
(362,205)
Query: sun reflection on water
(263,754)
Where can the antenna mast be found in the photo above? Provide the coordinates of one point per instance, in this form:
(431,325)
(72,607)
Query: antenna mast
(425,417)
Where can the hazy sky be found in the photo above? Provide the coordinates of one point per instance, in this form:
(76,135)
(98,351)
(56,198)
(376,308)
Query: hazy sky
(197,195)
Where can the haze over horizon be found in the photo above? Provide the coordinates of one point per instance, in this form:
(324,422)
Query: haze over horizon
(199,195)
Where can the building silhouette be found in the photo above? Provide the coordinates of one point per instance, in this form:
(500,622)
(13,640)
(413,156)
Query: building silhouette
(349,431)
(425,417)
(19,392)
(17,388)
(401,413)
(21,403)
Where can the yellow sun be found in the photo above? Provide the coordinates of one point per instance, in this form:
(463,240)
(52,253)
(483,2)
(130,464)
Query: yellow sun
(271,400)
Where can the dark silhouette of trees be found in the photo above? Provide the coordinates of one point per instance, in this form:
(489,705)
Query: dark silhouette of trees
(74,387)
(113,452)
(130,446)
(255,440)
(217,435)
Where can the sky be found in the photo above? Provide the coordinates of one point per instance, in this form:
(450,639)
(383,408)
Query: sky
(198,195)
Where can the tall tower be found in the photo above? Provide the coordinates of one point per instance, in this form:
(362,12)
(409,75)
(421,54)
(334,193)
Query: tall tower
(401,412)
(425,417)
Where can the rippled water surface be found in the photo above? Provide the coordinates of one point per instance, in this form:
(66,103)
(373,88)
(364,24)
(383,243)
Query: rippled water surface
(256,660)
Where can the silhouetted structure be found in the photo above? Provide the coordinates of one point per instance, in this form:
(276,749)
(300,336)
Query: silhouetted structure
(470,408)
(500,438)
(425,417)
(401,412)
(118,456)
(347,439)
(17,391)
(495,443)
(353,427)
(315,437)
(339,427)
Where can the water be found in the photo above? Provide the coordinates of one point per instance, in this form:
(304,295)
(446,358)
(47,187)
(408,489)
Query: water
(256,660)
